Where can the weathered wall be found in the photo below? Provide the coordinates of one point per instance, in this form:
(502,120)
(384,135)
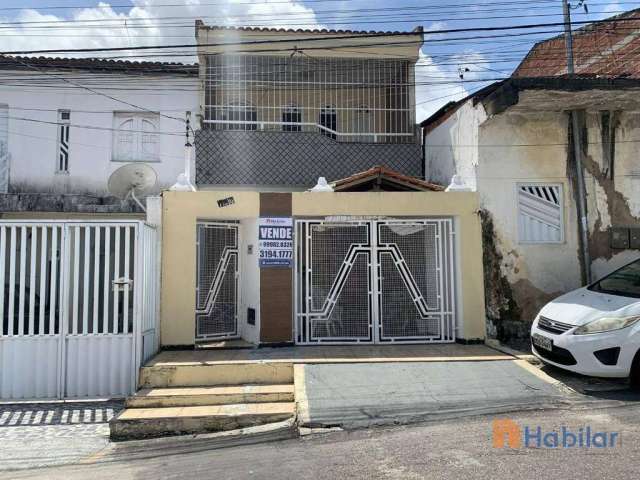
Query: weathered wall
(451,147)
(33,145)
(529,144)
(612,182)
(513,149)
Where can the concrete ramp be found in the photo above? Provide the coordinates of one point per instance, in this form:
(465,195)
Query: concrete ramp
(359,395)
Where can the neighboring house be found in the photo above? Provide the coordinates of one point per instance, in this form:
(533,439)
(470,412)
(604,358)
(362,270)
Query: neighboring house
(604,49)
(67,124)
(512,143)
(288,106)
(78,266)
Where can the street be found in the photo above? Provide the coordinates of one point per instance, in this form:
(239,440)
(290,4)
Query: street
(460,448)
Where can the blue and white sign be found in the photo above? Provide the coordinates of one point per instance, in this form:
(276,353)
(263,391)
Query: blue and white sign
(275,241)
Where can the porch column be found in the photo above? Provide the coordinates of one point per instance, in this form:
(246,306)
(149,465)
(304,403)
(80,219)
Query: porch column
(276,283)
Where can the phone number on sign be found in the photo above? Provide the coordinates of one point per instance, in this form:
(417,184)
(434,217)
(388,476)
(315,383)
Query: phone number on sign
(283,244)
(276,254)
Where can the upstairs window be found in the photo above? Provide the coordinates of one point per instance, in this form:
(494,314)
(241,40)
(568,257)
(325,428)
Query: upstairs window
(328,122)
(135,137)
(240,117)
(62,150)
(540,217)
(291,119)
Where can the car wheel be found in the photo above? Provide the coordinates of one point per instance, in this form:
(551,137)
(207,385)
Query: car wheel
(634,377)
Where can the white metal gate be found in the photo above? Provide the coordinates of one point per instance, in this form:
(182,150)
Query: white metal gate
(375,281)
(217,280)
(75,302)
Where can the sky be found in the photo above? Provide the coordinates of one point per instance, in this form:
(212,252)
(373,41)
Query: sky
(27,25)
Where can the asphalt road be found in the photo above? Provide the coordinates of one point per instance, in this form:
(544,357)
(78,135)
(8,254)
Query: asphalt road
(453,449)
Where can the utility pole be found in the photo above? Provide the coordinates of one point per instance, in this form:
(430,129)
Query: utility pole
(583,226)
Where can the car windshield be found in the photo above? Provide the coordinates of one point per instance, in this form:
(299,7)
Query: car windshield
(624,282)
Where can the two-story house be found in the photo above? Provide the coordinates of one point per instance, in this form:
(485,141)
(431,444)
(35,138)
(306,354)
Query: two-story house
(281,108)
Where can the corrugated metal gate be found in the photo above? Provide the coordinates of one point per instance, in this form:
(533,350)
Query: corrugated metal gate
(79,307)
(217,280)
(375,281)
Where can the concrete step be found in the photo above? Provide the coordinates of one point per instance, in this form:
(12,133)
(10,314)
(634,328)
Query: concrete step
(194,396)
(161,375)
(138,423)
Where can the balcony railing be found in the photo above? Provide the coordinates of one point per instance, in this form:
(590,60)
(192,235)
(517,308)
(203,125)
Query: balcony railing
(366,100)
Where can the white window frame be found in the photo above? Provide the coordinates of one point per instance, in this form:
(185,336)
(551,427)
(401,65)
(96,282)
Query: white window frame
(137,134)
(63,145)
(561,188)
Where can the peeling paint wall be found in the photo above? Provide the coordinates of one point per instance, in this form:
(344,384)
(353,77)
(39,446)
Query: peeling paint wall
(518,149)
(511,149)
(612,180)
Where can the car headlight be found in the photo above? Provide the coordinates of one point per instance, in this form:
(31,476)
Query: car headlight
(606,324)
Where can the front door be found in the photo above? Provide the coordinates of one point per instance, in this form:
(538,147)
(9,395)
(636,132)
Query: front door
(217,280)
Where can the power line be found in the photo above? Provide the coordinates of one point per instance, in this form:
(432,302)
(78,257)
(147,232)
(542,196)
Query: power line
(323,38)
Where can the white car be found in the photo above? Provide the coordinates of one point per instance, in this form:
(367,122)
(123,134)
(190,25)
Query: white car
(594,330)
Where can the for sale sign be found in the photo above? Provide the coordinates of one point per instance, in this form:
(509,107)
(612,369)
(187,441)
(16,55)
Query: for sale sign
(275,239)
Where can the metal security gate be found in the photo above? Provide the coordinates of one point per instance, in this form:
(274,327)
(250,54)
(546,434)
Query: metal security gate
(217,280)
(376,281)
(76,298)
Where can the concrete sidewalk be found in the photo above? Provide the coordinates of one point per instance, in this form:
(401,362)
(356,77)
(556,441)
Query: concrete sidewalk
(360,395)
(44,434)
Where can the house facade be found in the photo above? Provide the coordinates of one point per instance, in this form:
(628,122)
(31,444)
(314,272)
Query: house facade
(67,124)
(254,255)
(512,143)
(79,261)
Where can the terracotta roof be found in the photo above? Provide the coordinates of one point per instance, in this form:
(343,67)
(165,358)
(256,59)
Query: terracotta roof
(97,64)
(380,175)
(200,24)
(610,48)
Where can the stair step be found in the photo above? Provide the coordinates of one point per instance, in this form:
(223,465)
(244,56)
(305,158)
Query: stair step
(160,375)
(221,395)
(136,423)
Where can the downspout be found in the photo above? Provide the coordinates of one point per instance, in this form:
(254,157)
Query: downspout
(583,226)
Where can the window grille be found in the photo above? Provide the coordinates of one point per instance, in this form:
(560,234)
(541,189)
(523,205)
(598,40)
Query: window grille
(135,137)
(540,217)
(347,99)
(64,127)
(4,148)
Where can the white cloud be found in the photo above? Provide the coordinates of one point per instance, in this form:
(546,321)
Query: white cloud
(148,22)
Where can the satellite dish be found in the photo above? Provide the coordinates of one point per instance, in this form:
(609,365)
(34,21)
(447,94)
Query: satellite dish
(132,179)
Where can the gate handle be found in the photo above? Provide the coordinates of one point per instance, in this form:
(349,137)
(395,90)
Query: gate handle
(120,283)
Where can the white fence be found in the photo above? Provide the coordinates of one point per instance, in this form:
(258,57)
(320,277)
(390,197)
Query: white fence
(79,307)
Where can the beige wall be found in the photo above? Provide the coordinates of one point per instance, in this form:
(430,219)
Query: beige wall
(463,206)
(180,212)
(399,46)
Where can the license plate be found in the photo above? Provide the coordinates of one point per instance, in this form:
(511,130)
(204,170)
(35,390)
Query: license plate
(543,342)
